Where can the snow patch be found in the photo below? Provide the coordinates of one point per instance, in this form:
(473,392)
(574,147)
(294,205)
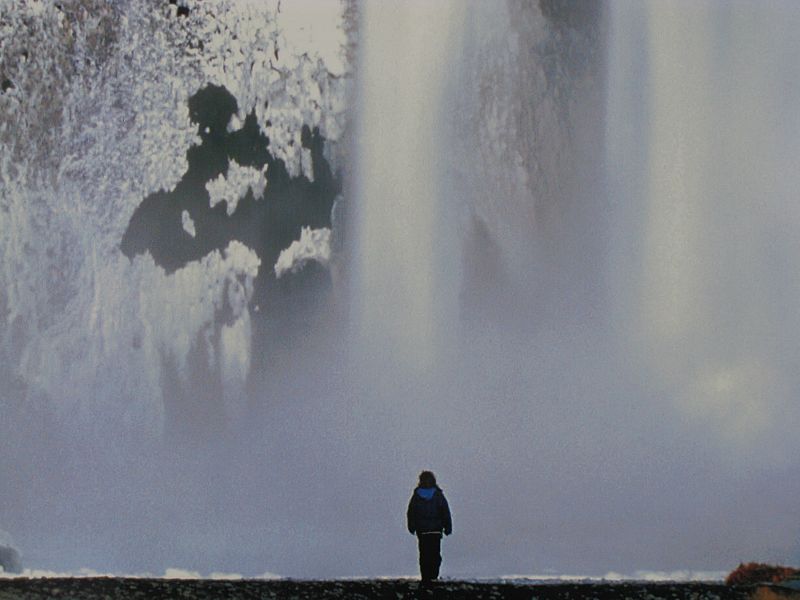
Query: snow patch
(314,244)
(291,53)
(225,576)
(49,574)
(181,574)
(238,181)
(188,223)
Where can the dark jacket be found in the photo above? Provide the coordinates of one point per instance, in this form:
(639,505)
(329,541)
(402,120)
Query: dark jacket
(428,512)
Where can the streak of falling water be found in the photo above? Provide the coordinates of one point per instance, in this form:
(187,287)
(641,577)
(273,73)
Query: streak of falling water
(702,122)
(402,304)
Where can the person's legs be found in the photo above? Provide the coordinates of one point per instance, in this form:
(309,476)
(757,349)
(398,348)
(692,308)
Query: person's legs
(423,557)
(436,554)
(430,557)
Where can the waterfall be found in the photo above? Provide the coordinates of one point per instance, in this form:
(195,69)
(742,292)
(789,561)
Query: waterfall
(570,261)
(407,49)
(701,125)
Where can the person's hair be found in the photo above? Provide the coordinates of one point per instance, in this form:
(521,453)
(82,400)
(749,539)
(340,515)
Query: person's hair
(427,479)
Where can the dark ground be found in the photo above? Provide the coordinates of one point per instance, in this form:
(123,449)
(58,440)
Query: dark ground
(106,587)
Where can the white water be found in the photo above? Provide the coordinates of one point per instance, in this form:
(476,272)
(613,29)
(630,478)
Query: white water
(653,347)
(703,137)
(400,190)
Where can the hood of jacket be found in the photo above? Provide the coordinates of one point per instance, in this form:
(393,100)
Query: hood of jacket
(426,493)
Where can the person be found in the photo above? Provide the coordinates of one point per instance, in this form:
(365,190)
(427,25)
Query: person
(428,516)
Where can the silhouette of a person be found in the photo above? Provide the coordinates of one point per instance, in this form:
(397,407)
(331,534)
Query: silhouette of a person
(428,516)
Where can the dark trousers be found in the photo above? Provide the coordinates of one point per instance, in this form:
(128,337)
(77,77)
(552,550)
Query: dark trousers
(430,557)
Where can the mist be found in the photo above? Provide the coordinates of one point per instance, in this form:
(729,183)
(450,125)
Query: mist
(552,261)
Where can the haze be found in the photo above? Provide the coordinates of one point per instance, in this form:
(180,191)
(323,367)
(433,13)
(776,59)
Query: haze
(562,278)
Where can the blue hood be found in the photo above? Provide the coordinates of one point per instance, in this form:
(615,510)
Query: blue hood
(426,493)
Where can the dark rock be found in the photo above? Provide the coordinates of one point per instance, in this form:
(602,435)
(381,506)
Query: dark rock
(109,587)
(10,560)
(266,225)
(575,14)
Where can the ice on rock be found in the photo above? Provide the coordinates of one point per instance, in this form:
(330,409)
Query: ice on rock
(314,244)
(99,120)
(233,186)
(195,293)
(188,223)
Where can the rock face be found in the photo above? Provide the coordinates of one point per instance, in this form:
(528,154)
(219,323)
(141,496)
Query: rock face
(88,588)
(98,106)
(110,114)
(9,560)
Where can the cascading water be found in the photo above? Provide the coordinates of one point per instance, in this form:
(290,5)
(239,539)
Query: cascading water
(628,334)
(700,130)
(584,301)
(400,182)
(136,234)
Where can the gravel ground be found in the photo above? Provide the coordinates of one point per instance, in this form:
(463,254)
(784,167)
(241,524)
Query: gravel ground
(111,587)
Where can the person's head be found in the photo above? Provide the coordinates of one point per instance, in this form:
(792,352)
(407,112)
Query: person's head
(427,479)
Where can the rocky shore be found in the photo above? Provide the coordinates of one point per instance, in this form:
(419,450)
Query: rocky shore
(111,587)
